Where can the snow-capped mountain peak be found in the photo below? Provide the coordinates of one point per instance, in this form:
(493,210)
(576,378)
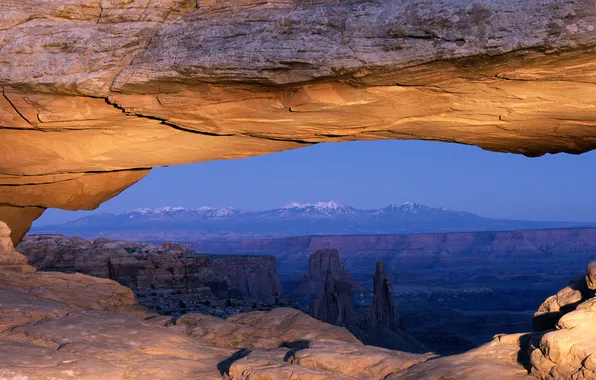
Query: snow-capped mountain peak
(331,205)
(295,219)
(167,211)
(329,208)
(159,210)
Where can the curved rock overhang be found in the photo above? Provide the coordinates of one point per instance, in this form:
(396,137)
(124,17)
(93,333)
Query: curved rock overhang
(97,92)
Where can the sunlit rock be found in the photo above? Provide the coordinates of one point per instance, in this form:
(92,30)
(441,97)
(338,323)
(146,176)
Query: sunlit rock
(92,88)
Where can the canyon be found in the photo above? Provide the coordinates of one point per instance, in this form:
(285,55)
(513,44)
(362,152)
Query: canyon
(47,319)
(169,278)
(476,252)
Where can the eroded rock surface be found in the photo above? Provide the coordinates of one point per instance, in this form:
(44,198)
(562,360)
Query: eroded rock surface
(567,350)
(493,361)
(566,300)
(169,279)
(76,326)
(320,263)
(220,332)
(10,258)
(95,93)
(380,323)
(293,327)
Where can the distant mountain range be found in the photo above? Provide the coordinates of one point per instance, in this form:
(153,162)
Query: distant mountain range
(294,219)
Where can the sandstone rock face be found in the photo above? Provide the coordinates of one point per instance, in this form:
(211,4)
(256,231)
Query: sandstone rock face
(566,300)
(44,339)
(356,361)
(57,325)
(320,263)
(72,289)
(493,361)
(105,90)
(167,278)
(10,259)
(293,327)
(566,350)
(126,347)
(222,333)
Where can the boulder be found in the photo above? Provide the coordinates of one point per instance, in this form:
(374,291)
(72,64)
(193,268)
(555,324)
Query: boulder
(568,351)
(566,300)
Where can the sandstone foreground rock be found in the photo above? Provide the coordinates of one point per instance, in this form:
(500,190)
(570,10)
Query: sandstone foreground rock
(56,325)
(96,93)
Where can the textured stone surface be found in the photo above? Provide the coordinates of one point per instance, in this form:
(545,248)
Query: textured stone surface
(493,361)
(10,258)
(336,304)
(138,349)
(222,333)
(357,361)
(19,219)
(103,86)
(293,327)
(270,365)
(566,351)
(566,300)
(74,289)
(320,263)
(167,278)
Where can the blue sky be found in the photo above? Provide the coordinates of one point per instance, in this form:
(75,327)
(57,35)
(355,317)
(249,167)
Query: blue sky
(374,174)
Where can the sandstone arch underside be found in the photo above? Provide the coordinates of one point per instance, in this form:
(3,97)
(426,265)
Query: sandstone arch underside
(97,92)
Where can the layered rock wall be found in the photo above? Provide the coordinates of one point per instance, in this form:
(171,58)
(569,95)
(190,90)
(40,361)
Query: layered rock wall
(439,250)
(162,277)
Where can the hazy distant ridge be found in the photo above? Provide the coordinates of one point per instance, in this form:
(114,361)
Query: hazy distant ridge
(322,218)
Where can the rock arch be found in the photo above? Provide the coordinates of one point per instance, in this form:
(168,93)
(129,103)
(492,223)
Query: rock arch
(96,93)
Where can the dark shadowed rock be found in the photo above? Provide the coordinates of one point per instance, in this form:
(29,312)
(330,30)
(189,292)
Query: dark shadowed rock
(335,307)
(167,278)
(382,312)
(255,277)
(319,263)
(379,325)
